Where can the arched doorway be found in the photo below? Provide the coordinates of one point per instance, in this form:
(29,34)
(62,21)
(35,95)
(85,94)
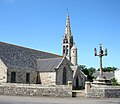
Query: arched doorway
(77,84)
(38,81)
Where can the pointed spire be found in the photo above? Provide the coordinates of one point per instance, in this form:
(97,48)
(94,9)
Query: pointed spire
(67,26)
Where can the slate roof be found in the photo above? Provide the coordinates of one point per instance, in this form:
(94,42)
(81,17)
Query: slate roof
(75,69)
(20,57)
(48,65)
(108,75)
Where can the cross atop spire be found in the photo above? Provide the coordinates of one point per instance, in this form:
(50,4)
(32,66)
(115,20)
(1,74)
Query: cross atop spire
(67,26)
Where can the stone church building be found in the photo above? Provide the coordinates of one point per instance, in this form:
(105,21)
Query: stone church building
(23,65)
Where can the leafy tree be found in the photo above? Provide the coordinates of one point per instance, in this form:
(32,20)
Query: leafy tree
(114,81)
(91,70)
(87,71)
(108,69)
(84,69)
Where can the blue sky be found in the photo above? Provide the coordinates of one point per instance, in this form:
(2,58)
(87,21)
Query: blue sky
(39,24)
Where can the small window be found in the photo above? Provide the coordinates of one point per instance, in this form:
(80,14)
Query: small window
(66,51)
(27,77)
(63,50)
(13,77)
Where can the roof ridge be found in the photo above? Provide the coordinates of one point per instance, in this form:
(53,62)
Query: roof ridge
(51,58)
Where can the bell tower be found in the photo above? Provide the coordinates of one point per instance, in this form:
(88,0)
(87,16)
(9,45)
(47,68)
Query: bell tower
(67,40)
(74,55)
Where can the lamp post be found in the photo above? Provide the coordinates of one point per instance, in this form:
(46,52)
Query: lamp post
(101,54)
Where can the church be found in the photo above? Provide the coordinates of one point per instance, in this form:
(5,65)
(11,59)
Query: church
(28,66)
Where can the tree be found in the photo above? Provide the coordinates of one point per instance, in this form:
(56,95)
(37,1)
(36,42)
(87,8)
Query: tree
(114,81)
(108,69)
(87,71)
(91,70)
(83,69)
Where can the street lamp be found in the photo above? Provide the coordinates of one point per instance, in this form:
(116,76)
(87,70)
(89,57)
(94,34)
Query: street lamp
(101,54)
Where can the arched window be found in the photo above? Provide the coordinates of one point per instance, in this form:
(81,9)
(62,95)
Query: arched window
(63,49)
(13,77)
(66,49)
(77,83)
(27,77)
(64,76)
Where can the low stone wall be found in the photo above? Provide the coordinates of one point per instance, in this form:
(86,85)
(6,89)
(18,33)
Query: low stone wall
(112,92)
(36,90)
(103,92)
(95,93)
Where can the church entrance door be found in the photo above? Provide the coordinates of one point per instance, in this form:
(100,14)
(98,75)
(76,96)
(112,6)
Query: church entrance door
(77,84)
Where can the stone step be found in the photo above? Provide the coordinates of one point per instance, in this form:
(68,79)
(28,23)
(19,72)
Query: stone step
(78,93)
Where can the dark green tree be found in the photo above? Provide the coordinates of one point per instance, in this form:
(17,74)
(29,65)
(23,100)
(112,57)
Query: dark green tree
(91,70)
(83,69)
(108,69)
(87,71)
(114,82)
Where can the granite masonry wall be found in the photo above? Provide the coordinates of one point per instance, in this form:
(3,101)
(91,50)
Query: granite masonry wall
(112,92)
(21,76)
(3,72)
(35,90)
(104,92)
(59,73)
(48,78)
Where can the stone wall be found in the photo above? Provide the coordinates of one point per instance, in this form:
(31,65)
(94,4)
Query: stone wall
(59,72)
(112,92)
(95,93)
(3,72)
(21,75)
(79,80)
(48,78)
(104,92)
(35,90)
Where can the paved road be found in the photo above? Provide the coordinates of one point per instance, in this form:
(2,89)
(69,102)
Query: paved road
(48,100)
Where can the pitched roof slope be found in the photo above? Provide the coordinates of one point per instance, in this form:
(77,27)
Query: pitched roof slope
(47,65)
(17,56)
(108,75)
